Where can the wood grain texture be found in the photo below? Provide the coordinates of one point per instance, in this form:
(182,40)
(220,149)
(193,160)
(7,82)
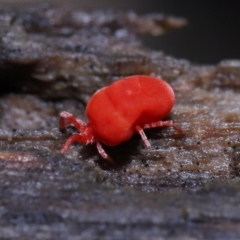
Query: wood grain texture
(185,186)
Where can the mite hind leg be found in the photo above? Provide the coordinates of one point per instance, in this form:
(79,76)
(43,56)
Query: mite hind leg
(143,136)
(168,123)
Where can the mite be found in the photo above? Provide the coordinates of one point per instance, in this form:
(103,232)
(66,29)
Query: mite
(119,110)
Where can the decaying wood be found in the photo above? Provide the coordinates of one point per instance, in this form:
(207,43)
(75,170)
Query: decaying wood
(53,59)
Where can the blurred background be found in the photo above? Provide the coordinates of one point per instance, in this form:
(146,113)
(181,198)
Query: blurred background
(212,34)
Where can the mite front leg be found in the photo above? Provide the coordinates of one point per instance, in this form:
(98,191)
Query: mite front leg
(67,118)
(71,140)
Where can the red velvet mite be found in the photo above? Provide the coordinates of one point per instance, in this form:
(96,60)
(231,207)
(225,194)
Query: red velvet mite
(116,112)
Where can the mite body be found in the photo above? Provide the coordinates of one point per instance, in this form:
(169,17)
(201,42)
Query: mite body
(119,110)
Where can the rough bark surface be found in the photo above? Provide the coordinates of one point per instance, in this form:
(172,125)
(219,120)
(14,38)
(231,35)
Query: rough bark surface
(183,187)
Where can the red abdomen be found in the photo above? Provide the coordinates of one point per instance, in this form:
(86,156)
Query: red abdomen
(116,110)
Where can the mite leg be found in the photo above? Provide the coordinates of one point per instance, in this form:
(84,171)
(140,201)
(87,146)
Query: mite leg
(66,118)
(103,153)
(71,140)
(168,123)
(143,136)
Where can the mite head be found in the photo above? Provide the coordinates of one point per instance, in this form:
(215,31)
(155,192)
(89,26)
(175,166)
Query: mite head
(88,133)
